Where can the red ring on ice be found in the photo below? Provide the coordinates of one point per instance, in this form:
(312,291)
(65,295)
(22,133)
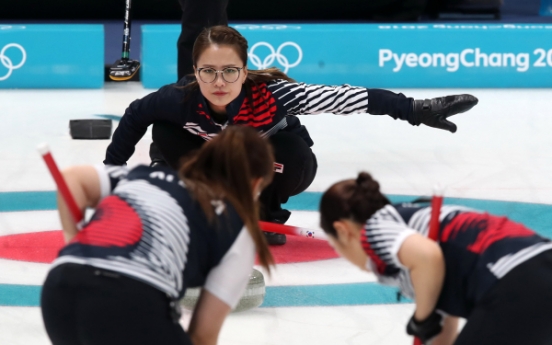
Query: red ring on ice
(43,247)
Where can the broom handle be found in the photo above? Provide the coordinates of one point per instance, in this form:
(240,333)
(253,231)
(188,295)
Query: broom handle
(436,203)
(292,230)
(126,31)
(76,213)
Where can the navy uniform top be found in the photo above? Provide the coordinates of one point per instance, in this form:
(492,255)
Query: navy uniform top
(478,249)
(148,227)
(276,105)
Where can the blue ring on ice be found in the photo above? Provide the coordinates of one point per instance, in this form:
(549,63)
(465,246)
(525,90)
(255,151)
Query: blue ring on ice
(536,216)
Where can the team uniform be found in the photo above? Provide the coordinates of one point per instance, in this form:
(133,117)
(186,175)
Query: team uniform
(498,272)
(183,122)
(120,278)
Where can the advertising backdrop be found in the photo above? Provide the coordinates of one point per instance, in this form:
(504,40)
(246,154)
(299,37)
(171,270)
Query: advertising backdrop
(51,56)
(374,55)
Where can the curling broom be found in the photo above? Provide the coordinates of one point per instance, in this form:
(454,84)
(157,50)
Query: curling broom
(78,216)
(76,213)
(292,230)
(125,68)
(436,203)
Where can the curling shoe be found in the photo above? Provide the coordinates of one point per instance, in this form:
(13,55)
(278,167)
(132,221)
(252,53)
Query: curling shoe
(280,217)
(274,238)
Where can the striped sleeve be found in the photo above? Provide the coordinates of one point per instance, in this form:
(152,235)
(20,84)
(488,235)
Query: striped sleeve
(384,233)
(420,220)
(510,261)
(109,176)
(303,99)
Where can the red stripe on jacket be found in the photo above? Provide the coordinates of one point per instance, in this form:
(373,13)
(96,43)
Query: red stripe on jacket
(115,223)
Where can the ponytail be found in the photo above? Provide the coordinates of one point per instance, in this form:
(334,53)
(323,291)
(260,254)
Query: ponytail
(356,200)
(265,75)
(224,168)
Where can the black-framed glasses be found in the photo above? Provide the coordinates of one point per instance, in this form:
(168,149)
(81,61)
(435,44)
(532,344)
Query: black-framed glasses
(209,75)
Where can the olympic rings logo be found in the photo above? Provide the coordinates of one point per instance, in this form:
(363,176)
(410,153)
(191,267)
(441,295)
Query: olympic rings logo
(7,62)
(275,55)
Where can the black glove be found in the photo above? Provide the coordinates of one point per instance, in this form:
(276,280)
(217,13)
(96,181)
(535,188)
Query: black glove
(434,112)
(426,329)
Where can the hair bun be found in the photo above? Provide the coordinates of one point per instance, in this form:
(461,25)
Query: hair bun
(364,180)
(366,184)
(363,177)
(366,198)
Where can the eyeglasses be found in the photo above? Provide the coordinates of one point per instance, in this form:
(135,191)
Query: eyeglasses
(229,74)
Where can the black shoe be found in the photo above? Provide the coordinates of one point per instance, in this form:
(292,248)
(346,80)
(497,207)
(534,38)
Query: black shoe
(274,238)
(280,216)
(158,162)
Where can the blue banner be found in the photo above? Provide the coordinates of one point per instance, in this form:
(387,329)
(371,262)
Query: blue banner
(381,55)
(545,8)
(51,56)
(159,55)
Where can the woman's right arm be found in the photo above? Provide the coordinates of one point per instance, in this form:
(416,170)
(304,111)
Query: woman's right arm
(209,315)
(162,105)
(424,259)
(84,184)
(87,185)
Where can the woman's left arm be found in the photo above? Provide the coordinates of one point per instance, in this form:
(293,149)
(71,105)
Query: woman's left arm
(425,261)
(303,99)
(222,291)
(309,99)
(208,317)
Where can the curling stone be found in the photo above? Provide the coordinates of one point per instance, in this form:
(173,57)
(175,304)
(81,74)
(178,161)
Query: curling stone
(90,129)
(251,298)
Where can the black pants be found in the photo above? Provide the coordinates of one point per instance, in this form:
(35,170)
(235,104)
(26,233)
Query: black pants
(82,305)
(299,164)
(197,15)
(518,310)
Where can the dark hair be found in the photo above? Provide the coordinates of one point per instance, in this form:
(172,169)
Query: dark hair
(224,35)
(356,200)
(223,169)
